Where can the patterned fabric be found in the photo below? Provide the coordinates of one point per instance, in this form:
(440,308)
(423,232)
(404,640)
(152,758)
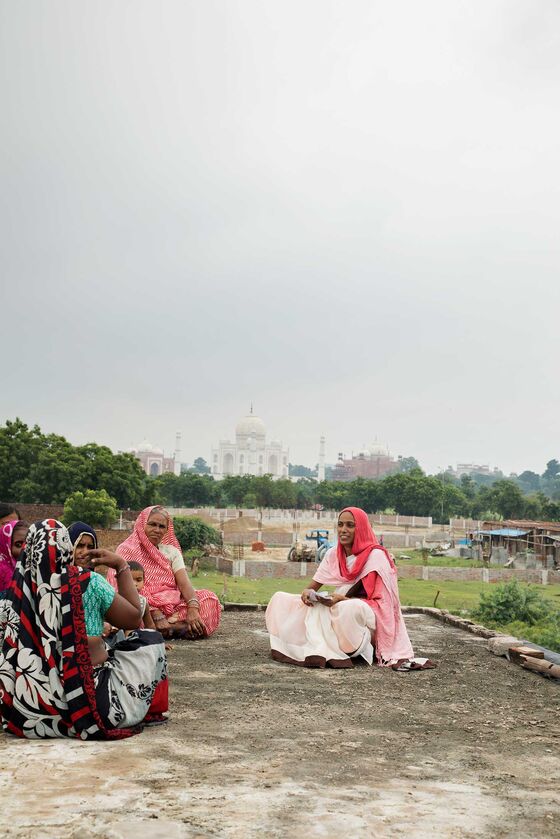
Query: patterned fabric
(160,586)
(47,686)
(97,599)
(78,529)
(7,562)
(127,681)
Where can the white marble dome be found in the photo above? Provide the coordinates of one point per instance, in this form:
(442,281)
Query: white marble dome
(378,450)
(145,447)
(250,426)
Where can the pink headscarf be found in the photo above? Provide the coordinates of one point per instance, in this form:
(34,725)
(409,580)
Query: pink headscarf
(391,637)
(7,561)
(364,543)
(160,586)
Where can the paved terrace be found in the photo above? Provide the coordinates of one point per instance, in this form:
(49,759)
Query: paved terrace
(256,748)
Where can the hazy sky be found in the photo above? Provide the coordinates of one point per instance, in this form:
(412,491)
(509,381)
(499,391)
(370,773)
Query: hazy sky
(346,212)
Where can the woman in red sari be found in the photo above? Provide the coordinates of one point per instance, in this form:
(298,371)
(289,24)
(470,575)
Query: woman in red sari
(176,608)
(362,618)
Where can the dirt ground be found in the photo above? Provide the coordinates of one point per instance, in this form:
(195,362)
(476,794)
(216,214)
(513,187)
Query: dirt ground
(254,748)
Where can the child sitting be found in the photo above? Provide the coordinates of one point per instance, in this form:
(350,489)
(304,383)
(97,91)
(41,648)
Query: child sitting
(138,579)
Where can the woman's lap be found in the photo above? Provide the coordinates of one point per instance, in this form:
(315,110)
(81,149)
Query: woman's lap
(127,681)
(303,633)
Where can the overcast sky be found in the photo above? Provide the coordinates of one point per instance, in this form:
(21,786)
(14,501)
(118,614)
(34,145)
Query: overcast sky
(346,212)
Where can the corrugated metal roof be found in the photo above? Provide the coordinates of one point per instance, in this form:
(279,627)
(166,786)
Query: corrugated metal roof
(504,531)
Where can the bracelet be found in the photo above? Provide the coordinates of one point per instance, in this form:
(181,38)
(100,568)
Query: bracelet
(195,601)
(123,568)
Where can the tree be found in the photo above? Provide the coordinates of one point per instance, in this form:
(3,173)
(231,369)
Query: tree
(120,474)
(19,449)
(508,499)
(529,481)
(200,467)
(192,532)
(96,507)
(296,470)
(552,469)
(407,464)
(185,490)
(45,468)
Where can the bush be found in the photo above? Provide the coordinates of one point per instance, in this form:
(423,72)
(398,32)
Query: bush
(95,507)
(545,633)
(521,611)
(512,602)
(192,532)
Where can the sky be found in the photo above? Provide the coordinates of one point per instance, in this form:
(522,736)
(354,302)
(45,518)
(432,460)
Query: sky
(343,212)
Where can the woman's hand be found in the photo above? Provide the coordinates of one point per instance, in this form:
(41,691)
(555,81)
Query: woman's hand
(305,596)
(161,622)
(101,556)
(336,598)
(195,628)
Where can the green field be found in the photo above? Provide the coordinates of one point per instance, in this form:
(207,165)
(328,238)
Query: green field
(453,596)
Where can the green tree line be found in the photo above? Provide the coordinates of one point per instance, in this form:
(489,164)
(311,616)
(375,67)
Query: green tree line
(37,468)
(46,468)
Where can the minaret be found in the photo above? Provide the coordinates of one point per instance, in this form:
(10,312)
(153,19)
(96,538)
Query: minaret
(177,468)
(321,469)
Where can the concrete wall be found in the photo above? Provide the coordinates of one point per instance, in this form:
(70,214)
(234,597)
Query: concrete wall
(259,568)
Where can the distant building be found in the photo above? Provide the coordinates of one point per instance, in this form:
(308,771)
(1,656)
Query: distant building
(474,469)
(250,454)
(373,462)
(153,460)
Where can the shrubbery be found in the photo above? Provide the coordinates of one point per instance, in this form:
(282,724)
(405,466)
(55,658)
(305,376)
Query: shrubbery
(192,532)
(520,611)
(95,507)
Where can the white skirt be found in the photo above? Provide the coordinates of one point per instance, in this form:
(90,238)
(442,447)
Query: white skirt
(319,636)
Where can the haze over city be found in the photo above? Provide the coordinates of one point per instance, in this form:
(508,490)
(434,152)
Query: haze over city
(345,214)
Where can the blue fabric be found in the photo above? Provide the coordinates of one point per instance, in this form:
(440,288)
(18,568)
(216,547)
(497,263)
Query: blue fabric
(97,599)
(78,528)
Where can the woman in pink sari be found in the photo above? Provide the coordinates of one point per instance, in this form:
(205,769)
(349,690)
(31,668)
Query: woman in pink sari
(176,608)
(362,618)
(12,540)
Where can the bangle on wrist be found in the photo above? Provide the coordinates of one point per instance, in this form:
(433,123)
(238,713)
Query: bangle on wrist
(125,567)
(194,601)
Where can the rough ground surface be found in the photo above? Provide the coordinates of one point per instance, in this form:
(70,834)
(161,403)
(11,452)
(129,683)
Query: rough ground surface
(256,748)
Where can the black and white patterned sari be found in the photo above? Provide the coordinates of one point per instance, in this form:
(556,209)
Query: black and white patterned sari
(48,687)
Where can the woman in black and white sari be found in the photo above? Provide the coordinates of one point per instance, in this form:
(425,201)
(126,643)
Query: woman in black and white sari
(57,678)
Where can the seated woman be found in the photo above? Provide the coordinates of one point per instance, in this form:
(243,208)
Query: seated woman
(177,609)
(12,539)
(57,678)
(84,539)
(361,619)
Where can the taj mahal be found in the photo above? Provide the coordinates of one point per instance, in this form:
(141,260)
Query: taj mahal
(250,454)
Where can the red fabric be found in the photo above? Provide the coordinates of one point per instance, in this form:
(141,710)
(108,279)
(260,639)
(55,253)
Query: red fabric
(160,702)
(364,542)
(160,587)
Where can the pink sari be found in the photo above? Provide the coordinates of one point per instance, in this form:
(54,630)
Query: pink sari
(319,635)
(7,562)
(160,585)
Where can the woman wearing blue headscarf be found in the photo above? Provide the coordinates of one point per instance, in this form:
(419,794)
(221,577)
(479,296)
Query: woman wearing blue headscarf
(84,539)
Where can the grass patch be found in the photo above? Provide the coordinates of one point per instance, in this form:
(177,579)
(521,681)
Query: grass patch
(454,596)
(415,558)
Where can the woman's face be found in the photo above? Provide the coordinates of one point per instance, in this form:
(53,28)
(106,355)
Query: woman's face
(156,527)
(346,529)
(84,544)
(18,540)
